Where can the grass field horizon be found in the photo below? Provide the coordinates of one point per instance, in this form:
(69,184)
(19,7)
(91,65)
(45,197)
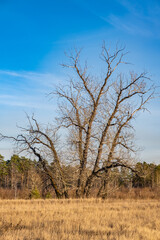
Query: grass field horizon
(79,219)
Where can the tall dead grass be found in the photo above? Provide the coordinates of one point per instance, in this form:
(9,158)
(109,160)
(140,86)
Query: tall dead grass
(122,193)
(88,219)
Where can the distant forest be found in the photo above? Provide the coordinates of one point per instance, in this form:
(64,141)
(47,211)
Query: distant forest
(21,177)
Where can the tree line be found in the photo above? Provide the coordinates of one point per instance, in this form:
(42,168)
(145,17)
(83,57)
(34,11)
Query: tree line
(23,174)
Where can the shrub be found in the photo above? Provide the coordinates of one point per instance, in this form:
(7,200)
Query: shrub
(48,195)
(34,194)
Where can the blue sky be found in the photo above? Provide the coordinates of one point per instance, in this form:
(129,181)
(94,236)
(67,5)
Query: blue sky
(35,34)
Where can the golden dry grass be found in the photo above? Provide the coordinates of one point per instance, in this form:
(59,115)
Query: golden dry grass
(79,219)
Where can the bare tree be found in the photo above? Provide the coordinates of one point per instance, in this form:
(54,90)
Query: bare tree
(42,143)
(98,116)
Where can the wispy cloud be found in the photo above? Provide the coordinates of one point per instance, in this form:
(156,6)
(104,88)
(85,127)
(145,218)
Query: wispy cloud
(128,26)
(26,101)
(46,79)
(26,89)
(147,10)
(139,17)
(143,18)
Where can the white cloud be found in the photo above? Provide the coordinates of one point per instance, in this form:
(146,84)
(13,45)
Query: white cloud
(26,89)
(46,79)
(25,101)
(128,26)
(6,96)
(142,18)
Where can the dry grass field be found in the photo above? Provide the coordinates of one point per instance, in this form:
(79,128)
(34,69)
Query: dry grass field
(79,219)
